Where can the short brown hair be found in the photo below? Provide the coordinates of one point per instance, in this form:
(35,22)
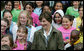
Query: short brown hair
(47,15)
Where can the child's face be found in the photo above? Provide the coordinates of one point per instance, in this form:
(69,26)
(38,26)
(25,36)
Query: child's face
(5,40)
(8,16)
(39,3)
(8,6)
(23,19)
(74,38)
(46,8)
(29,8)
(44,23)
(16,4)
(3,26)
(75,3)
(21,35)
(58,6)
(66,23)
(58,18)
(81,12)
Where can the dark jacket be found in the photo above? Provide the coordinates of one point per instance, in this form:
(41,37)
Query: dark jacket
(55,42)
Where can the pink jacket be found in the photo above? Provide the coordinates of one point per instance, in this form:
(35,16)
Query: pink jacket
(36,21)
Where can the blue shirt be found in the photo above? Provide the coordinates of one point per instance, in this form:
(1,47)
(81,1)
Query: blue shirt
(11,26)
(38,11)
(38,28)
(29,32)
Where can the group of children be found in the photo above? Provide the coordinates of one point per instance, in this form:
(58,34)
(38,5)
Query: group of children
(18,24)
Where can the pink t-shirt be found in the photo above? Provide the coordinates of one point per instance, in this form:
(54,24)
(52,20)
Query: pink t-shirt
(36,21)
(20,46)
(66,32)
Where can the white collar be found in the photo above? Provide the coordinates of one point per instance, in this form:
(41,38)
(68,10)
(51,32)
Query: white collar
(48,32)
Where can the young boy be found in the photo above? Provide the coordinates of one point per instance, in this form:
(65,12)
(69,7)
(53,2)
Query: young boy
(74,42)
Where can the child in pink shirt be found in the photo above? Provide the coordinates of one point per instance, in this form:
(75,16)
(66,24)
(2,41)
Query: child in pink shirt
(21,41)
(66,28)
(20,46)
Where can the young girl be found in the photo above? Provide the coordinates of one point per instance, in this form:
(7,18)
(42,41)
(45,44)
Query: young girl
(57,18)
(38,9)
(57,6)
(16,11)
(21,43)
(74,43)
(8,15)
(30,7)
(46,8)
(73,10)
(66,27)
(4,26)
(7,40)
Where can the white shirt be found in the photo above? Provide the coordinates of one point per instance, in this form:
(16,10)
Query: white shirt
(48,32)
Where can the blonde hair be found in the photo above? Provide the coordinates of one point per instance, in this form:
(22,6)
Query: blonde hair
(23,12)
